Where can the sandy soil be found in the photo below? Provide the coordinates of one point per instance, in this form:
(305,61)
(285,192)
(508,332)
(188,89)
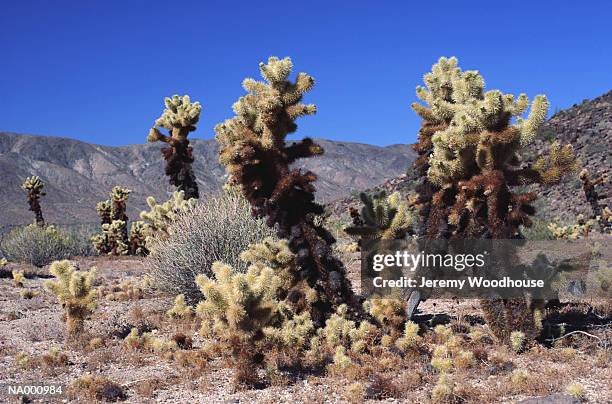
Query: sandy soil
(33,326)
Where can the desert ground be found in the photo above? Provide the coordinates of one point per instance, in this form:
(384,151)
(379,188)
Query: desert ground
(32,331)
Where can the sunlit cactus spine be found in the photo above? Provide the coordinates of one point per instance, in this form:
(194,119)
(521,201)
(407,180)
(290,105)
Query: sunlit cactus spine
(254,150)
(473,165)
(179,119)
(33,186)
(75,291)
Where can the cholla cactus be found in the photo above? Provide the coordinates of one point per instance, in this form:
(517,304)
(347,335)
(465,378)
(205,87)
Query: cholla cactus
(599,212)
(138,238)
(115,239)
(240,306)
(180,309)
(160,216)
(113,235)
(410,338)
(390,313)
(18,278)
(33,186)
(381,217)
(119,197)
(179,118)
(74,290)
(471,155)
(254,151)
(3,262)
(104,211)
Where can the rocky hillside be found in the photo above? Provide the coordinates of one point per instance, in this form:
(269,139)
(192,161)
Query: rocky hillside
(79,174)
(587,126)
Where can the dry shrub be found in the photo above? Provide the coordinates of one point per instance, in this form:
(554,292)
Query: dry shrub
(147,388)
(218,228)
(182,341)
(382,387)
(100,388)
(40,246)
(50,362)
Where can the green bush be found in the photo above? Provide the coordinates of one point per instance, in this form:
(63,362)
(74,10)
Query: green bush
(218,228)
(39,246)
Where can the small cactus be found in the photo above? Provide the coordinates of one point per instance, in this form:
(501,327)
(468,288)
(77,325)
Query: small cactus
(180,309)
(18,279)
(74,290)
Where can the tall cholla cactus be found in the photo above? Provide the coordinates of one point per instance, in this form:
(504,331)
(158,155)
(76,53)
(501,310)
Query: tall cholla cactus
(74,290)
(382,218)
(33,186)
(471,155)
(179,118)
(160,216)
(253,150)
(599,213)
(119,197)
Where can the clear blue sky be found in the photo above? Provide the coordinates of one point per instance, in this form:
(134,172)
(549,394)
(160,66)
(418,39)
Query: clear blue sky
(98,70)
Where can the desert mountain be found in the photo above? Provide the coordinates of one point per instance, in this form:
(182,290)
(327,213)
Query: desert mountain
(79,174)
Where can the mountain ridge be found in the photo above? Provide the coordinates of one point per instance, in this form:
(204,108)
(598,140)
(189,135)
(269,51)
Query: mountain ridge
(79,174)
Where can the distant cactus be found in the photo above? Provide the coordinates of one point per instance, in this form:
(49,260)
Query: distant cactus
(254,150)
(33,186)
(382,218)
(18,279)
(138,239)
(74,290)
(179,118)
(599,212)
(115,238)
(469,150)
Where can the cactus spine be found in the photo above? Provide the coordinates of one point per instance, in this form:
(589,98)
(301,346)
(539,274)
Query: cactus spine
(179,118)
(470,152)
(33,186)
(254,151)
(74,290)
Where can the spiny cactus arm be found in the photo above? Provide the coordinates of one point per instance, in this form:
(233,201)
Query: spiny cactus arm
(304,148)
(155,135)
(530,126)
(549,170)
